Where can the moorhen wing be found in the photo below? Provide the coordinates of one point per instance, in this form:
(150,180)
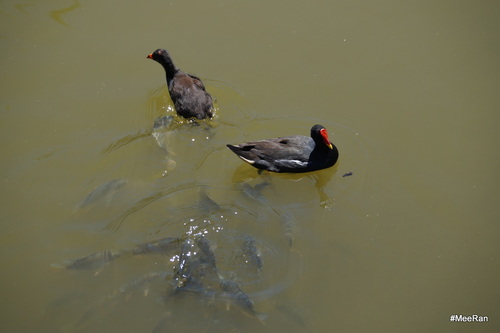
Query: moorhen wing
(186,90)
(296,153)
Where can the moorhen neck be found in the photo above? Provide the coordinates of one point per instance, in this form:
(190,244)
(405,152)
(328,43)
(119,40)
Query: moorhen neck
(186,90)
(296,153)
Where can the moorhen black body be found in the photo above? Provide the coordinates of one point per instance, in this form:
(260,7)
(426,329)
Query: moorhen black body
(186,90)
(296,153)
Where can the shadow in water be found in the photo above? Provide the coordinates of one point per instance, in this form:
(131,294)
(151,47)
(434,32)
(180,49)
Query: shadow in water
(245,173)
(56,15)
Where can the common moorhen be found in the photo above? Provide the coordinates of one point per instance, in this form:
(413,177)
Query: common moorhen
(295,153)
(186,90)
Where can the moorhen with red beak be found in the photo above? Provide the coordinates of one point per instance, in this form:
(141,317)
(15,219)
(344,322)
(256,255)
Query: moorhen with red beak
(186,90)
(296,153)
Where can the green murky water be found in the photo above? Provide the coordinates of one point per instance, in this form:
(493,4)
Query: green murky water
(407,90)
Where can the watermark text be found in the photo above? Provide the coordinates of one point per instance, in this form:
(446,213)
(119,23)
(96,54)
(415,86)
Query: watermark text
(469,319)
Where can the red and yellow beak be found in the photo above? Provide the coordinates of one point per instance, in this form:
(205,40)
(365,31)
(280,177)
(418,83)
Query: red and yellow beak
(326,141)
(150,56)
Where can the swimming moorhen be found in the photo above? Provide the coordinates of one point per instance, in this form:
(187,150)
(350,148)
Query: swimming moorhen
(186,90)
(296,153)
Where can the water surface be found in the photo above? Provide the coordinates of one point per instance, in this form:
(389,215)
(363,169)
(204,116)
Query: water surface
(408,92)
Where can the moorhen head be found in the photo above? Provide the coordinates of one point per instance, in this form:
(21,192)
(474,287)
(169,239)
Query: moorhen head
(186,90)
(296,153)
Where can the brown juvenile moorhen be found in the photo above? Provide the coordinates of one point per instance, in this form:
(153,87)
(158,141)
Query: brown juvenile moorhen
(296,153)
(186,90)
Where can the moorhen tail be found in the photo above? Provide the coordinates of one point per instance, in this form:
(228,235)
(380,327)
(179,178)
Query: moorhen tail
(186,90)
(296,153)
